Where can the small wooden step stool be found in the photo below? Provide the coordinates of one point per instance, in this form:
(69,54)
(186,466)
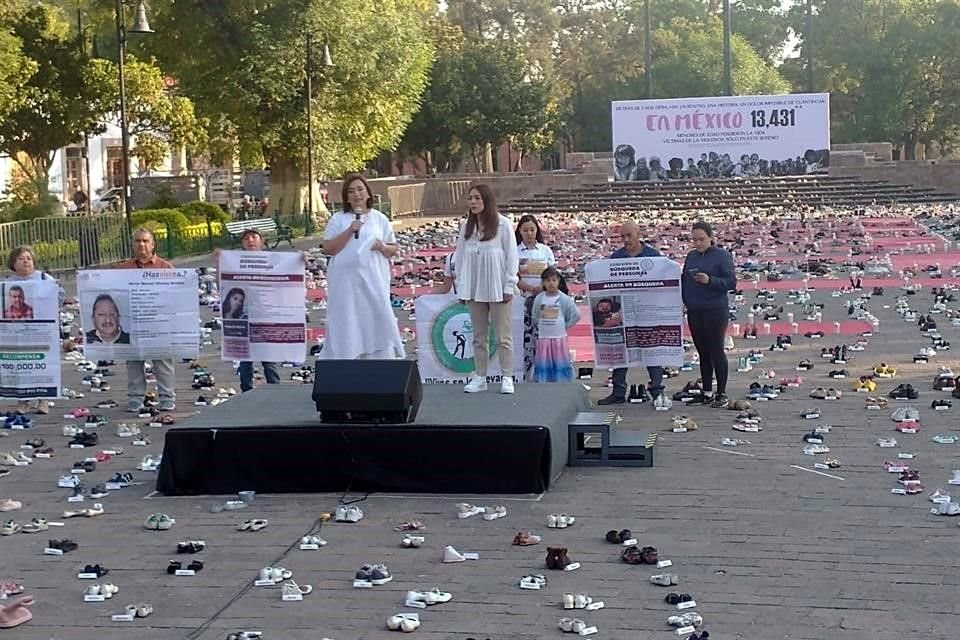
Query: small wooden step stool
(594,442)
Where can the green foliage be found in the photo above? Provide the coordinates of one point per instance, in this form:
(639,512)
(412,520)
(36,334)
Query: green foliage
(200,211)
(56,106)
(163,198)
(15,69)
(244,68)
(151,218)
(158,119)
(892,68)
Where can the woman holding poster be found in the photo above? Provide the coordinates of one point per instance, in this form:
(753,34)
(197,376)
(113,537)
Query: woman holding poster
(488,266)
(360,241)
(21,263)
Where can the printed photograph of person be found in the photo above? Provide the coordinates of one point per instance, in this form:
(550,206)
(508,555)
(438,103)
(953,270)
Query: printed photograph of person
(234,304)
(106,322)
(17,307)
(624,163)
(606,313)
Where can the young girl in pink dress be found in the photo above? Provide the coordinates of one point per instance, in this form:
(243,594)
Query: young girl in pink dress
(554,312)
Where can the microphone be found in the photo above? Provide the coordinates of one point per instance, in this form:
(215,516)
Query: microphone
(356,234)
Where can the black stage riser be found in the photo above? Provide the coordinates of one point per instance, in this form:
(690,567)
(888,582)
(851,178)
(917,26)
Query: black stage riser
(270,441)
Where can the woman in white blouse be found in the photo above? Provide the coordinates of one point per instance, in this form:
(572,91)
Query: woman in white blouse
(535,257)
(486,277)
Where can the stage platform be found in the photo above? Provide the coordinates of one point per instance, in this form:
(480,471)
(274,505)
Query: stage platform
(270,440)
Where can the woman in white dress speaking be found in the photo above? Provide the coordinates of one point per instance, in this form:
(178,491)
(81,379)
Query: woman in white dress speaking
(361,242)
(487,265)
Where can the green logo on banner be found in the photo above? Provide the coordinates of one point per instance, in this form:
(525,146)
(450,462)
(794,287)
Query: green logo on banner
(451,336)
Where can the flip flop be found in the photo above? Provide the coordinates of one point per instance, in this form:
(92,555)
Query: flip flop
(16,613)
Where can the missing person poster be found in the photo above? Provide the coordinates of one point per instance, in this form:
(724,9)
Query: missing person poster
(139,314)
(721,137)
(30,339)
(261,301)
(445,341)
(636,312)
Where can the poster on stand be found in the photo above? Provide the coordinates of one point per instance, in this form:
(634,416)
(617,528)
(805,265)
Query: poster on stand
(636,311)
(30,339)
(445,341)
(139,314)
(721,137)
(262,304)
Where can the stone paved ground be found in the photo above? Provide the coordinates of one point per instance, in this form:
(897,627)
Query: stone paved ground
(767,549)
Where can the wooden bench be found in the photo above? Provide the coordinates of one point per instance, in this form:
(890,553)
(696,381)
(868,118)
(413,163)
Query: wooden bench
(268,228)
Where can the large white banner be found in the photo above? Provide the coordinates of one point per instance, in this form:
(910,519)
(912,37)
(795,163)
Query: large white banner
(262,303)
(637,312)
(139,314)
(30,339)
(721,137)
(445,340)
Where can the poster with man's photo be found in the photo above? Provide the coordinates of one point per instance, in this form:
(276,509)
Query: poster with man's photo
(721,137)
(30,339)
(636,311)
(139,314)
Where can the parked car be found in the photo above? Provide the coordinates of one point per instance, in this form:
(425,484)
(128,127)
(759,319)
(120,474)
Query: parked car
(108,200)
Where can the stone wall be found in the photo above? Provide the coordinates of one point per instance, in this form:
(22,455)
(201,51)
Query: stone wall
(940,174)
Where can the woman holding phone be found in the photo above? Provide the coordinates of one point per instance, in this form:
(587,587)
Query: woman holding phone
(708,275)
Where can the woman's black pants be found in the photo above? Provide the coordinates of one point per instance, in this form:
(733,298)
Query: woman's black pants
(708,328)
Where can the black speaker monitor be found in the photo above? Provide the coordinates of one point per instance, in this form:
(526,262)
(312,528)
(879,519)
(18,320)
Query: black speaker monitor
(367,391)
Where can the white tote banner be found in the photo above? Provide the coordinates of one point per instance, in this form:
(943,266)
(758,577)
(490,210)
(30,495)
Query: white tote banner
(262,303)
(445,340)
(721,137)
(30,339)
(637,312)
(139,314)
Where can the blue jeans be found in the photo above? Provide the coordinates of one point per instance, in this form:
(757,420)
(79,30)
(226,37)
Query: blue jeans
(270,372)
(620,381)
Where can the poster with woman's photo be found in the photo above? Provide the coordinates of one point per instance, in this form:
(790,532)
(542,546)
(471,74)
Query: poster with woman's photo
(261,304)
(139,314)
(30,339)
(721,137)
(636,311)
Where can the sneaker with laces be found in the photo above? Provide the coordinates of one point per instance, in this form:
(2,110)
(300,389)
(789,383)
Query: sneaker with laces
(720,401)
(348,513)
(506,385)
(476,384)
(134,405)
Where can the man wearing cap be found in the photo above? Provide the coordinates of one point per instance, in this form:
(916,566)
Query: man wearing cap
(145,257)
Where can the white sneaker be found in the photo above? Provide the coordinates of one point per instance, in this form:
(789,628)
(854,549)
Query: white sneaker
(476,384)
(452,555)
(506,385)
(348,513)
(465,510)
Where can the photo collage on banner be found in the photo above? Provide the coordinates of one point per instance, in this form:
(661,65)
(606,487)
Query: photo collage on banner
(721,137)
(261,302)
(30,340)
(636,311)
(139,314)
(445,340)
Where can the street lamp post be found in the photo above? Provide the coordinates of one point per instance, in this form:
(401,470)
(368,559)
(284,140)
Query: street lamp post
(327,62)
(140,25)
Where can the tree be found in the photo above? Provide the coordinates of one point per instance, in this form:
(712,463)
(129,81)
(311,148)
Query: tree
(243,65)
(56,105)
(158,119)
(15,70)
(891,67)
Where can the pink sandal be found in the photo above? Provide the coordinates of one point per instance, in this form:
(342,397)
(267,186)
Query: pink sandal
(16,613)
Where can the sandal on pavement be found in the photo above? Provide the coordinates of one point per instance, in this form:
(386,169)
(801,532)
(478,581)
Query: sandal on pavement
(410,525)
(16,612)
